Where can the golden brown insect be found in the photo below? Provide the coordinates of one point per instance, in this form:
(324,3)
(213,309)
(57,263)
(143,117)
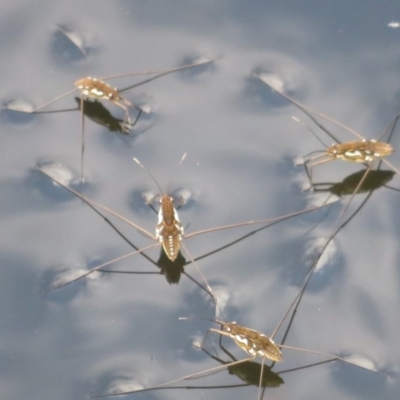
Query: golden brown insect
(169,232)
(255,344)
(169,229)
(365,151)
(98,89)
(251,372)
(359,151)
(251,341)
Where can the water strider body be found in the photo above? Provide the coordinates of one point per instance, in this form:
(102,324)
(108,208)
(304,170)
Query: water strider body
(360,151)
(254,343)
(169,229)
(100,90)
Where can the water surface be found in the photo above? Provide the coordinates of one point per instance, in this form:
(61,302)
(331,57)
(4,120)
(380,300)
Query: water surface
(241,143)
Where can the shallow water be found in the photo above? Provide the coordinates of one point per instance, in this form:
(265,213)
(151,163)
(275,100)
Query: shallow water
(241,142)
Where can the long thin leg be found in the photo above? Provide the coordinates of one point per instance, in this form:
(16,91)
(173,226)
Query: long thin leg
(127,119)
(335,230)
(108,210)
(253,222)
(314,163)
(186,377)
(51,101)
(83,135)
(202,276)
(159,72)
(334,357)
(308,110)
(60,285)
(260,391)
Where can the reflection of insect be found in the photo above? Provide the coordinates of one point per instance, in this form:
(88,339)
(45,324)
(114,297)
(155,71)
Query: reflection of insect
(360,151)
(255,344)
(168,232)
(98,89)
(374,180)
(99,114)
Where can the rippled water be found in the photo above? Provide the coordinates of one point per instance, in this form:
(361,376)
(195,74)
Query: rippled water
(116,331)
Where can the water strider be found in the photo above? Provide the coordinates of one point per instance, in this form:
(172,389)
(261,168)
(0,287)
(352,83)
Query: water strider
(369,152)
(256,345)
(98,89)
(169,232)
(362,150)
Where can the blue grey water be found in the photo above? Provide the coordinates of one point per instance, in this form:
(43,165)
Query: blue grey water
(123,331)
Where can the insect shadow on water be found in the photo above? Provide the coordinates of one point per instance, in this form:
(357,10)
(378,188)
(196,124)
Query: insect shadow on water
(99,114)
(169,230)
(96,112)
(255,344)
(98,89)
(374,180)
